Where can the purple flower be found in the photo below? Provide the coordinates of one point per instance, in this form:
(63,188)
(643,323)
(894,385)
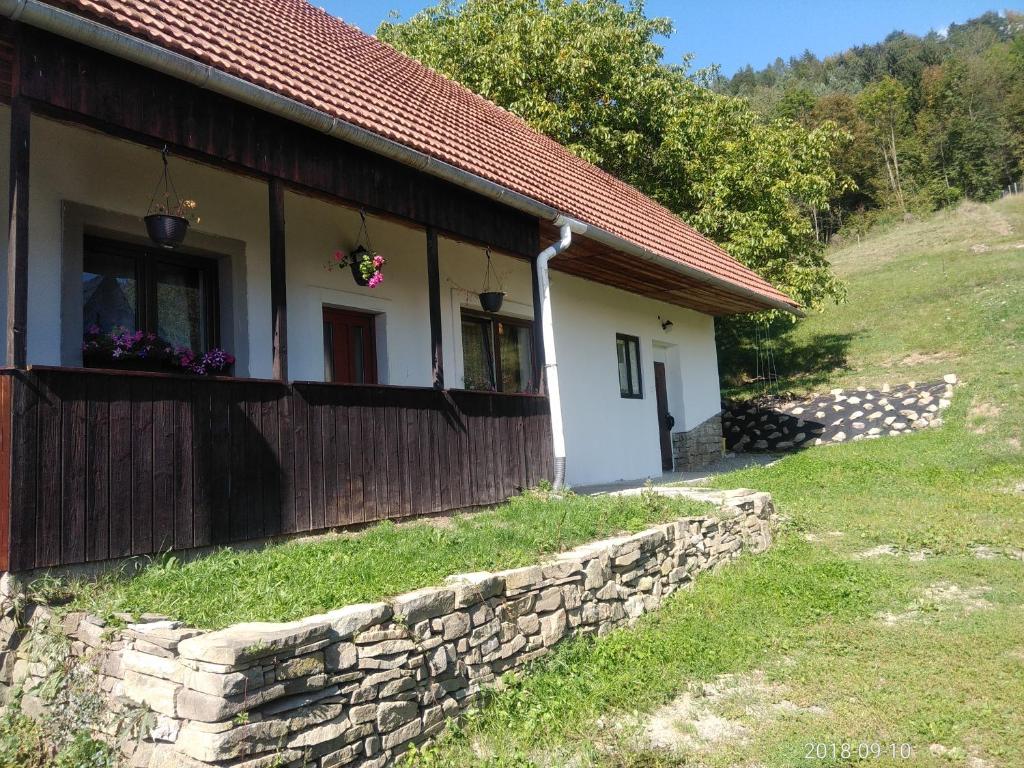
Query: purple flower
(376,279)
(216,360)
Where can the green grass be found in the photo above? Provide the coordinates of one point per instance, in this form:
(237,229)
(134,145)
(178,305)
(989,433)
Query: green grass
(922,304)
(805,615)
(288,581)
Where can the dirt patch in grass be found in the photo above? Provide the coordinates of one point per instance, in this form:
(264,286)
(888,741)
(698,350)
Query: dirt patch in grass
(884,550)
(985,552)
(709,715)
(881,550)
(922,358)
(980,415)
(959,756)
(816,537)
(942,597)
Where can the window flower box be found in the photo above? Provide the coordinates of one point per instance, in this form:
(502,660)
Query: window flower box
(121,349)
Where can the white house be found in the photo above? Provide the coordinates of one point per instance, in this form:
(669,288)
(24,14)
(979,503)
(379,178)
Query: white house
(299,137)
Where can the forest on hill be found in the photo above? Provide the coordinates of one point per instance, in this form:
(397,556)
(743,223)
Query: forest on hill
(932,119)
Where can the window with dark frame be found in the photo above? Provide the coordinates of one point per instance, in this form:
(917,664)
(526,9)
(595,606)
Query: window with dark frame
(136,287)
(497,353)
(627,349)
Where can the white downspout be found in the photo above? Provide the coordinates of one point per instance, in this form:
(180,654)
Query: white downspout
(566,228)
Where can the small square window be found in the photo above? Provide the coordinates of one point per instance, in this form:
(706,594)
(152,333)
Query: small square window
(627,349)
(497,353)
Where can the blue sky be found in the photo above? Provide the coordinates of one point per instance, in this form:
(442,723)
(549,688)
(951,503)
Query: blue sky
(733,33)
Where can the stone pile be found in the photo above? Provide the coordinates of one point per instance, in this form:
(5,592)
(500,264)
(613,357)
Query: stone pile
(359,685)
(840,416)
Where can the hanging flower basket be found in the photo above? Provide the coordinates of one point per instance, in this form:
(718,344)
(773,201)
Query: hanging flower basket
(169,217)
(366,264)
(166,230)
(491,301)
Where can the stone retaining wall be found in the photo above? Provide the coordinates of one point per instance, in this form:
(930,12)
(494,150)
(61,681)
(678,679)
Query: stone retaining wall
(700,447)
(837,417)
(359,685)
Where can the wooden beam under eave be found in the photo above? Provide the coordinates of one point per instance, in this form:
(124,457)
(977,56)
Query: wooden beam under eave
(17,242)
(434,293)
(278,280)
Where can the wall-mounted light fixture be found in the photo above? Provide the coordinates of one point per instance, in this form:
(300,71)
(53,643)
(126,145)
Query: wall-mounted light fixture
(666,325)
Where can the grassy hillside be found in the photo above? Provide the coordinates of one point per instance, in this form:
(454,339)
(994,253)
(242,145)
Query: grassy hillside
(889,612)
(940,295)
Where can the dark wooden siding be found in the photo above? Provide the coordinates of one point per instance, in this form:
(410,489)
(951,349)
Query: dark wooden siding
(6,60)
(106,465)
(86,85)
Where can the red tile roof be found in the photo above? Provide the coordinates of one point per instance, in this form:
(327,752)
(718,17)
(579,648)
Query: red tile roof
(304,53)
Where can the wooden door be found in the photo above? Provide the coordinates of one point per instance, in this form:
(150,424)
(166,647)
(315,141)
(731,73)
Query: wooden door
(665,420)
(350,354)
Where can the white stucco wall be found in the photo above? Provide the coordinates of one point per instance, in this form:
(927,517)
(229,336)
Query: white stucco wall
(607,437)
(314,230)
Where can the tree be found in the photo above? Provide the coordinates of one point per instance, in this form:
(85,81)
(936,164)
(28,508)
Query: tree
(884,107)
(590,75)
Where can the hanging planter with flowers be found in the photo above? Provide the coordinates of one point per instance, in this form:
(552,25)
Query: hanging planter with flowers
(491,300)
(366,264)
(169,217)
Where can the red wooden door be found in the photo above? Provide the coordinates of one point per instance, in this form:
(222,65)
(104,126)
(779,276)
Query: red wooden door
(665,420)
(350,355)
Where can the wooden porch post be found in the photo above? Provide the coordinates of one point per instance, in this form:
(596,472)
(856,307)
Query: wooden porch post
(278,282)
(434,290)
(538,331)
(17,243)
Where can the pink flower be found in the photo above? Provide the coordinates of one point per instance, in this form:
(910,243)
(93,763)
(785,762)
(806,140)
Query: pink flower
(378,262)
(338,256)
(376,279)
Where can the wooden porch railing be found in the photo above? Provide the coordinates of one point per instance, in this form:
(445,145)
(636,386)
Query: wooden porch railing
(108,464)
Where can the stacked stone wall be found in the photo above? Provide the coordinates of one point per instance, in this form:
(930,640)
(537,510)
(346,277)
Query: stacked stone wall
(700,447)
(359,685)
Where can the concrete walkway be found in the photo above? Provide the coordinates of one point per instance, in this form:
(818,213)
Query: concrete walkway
(727,464)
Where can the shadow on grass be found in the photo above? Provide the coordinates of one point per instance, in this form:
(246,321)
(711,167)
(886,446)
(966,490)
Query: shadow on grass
(749,364)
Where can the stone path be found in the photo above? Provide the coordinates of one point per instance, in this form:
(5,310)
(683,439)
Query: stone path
(729,463)
(840,416)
